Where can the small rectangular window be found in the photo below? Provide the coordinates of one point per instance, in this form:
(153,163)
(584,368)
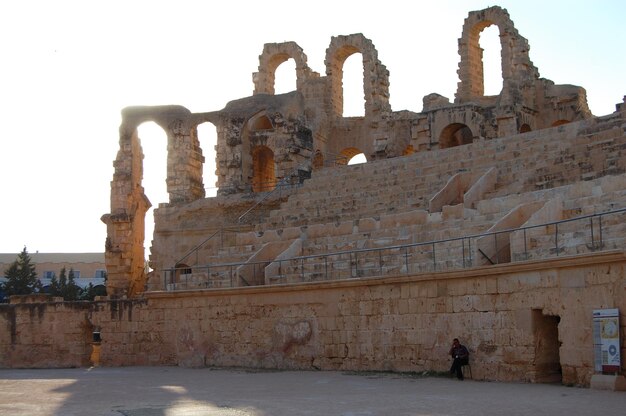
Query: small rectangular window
(99,274)
(48,274)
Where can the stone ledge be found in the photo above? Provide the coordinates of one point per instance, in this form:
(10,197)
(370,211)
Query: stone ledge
(483,271)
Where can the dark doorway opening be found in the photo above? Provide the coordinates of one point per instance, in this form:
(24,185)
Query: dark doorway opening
(547,358)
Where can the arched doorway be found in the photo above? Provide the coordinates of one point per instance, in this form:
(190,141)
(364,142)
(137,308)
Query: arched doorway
(455,134)
(263,169)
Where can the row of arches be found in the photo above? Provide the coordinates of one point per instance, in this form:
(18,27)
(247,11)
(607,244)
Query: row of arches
(458,134)
(355,73)
(154,144)
(353,103)
(352,69)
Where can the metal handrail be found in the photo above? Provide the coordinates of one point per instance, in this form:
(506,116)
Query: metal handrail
(221,230)
(196,248)
(278,188)
(405,247)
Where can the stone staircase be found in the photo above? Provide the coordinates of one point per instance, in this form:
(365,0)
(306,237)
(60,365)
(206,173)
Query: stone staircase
(386,210)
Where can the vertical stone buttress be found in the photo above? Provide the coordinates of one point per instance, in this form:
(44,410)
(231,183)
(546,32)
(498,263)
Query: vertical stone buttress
(124,247)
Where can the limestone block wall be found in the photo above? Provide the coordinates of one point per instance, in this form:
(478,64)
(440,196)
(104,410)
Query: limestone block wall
(395,324)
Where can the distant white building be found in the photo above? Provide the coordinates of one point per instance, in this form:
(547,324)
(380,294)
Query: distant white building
(88,267)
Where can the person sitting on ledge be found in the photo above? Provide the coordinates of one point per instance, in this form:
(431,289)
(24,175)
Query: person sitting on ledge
(460,356)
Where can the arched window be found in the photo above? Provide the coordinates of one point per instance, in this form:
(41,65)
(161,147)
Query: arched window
(491,60)
(261,123)
(455,134)
(285,79)
(353,91)
(153,141)
(263,170)
(207,136)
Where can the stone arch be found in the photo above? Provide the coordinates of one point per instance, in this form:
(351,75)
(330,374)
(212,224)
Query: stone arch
(124,247)
(272,56)
(263,169)
(524,128)
(260,122)
(517,68)
(455,134)
(347,154)
(375,74)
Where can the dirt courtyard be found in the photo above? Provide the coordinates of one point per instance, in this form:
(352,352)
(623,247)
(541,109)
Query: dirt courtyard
(174,391)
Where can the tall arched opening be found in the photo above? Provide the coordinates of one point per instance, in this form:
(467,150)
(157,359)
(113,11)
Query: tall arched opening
(263,169)
(491,50)
(207,136)
(455,134)
(353,86)
(153,141)
(285,79)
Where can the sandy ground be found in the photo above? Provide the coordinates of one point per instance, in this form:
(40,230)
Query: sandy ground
(173,391)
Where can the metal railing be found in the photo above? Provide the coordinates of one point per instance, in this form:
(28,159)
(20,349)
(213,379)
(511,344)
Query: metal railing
(277,191)
(281,187)
(583,234)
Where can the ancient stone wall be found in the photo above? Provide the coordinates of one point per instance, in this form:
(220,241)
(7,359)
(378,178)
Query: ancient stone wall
(267,140)
(505,315)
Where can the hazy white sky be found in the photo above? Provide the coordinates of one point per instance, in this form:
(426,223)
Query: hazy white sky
(67,68)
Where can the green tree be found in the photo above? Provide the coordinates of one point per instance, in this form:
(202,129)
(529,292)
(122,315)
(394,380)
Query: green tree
(65,286)
(91,291)
(21,276)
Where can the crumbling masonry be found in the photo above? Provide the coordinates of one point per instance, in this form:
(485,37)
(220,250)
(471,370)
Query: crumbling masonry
(265,139)
(496,219)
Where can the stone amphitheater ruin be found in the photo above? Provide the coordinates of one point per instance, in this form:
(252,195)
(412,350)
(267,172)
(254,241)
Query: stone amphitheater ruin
(495,219)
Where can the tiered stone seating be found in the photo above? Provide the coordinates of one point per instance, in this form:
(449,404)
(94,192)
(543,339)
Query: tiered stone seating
(384,204)
(525,162)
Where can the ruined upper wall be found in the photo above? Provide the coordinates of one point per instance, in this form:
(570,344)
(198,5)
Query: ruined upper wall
(518,71)
(266,139)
